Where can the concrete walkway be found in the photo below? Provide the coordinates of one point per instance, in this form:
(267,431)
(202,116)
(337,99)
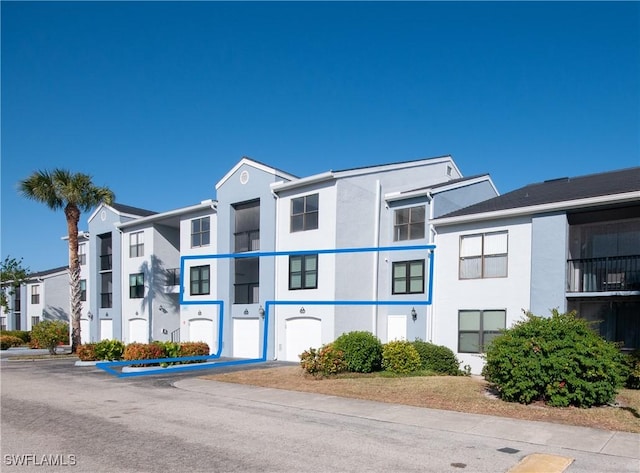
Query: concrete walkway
(621,444)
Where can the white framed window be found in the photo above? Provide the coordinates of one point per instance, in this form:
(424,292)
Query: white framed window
(303,272)
(136,286)
(200,232)
(409,223)
(199,281)
(82,253)
(483,255)
(83,290)
(477,328)
(35,294)
(136,244)
(408,277)
(304,213)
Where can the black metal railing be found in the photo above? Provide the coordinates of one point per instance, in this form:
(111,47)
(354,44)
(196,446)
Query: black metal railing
(611,273)
(106,300)
(175,335)
(247,241)
(172,277)
(106,262)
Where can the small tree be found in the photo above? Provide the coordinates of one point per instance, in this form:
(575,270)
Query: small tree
(49,334)
(12,276)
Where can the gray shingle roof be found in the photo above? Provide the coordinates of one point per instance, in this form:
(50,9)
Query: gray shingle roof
(132,210)
(560,190)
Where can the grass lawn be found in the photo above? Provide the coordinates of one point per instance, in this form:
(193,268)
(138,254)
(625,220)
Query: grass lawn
(462,394)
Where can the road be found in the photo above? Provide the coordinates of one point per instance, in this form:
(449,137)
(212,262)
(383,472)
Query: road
(59,417)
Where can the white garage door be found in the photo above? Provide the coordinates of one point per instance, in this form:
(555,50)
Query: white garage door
(106,329)
(301,333)
(396,327)
(246,338)
(85,331)
(138,331)
(201,330)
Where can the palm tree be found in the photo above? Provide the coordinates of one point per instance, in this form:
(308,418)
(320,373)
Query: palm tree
(75,193)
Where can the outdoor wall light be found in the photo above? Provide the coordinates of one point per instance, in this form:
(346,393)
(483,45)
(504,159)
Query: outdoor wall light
(90,315)
(261,311)
(165,331)
(302,311)
(199,312)
(414,314)
(107,314)
(246,312)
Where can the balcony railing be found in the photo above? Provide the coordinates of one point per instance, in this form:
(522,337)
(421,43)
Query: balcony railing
(106,262)
(614,273)
(247,241)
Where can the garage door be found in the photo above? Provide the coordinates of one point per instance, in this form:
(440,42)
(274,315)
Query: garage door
(301,333)
(106,329)
(138,331)
(201,330)
(246,338)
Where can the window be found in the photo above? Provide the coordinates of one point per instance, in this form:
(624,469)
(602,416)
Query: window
(409,223)
(304,213)
(106,290)
(35,294)
(247,226)
(82,253)
(83,290)
(136,286)
(247,280)
(3,323)
(303,272)
(136,245)
(200,280)
(408,277)
(35,321)
(200,232)
(483,256)
(477,328)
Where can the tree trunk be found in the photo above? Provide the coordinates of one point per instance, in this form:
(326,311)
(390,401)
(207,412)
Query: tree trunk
(73,217)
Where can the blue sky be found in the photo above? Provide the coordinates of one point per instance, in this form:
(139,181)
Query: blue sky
(158,100)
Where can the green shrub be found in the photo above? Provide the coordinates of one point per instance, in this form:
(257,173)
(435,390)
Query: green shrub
(49,334)
(559,360)
(325,361)
(87,352)
(110,350)
(143,351)
(437,358)
(633,375)
(8,341)
(400,356)
(193,349)
(21,334)
(362,351)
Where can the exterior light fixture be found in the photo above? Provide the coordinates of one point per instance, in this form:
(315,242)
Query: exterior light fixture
(261,311)
(414,314)
(199,312)
(246,312)
(107,314)
(90,315)
(302,311)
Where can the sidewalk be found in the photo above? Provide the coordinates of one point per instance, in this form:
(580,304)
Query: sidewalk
(621,444)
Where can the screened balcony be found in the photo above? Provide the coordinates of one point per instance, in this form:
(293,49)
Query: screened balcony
(606,274)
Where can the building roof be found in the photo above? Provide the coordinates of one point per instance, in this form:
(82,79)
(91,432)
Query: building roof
(127,209)
(560,190)
(48,272)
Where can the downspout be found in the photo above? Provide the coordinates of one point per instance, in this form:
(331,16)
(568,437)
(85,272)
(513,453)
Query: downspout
(376,259)
(275,284)
(432,238)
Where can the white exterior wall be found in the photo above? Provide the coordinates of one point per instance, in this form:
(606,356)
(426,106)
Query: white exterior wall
(321,238)
(134,309)
(452,294)
(85,327)
(197,317)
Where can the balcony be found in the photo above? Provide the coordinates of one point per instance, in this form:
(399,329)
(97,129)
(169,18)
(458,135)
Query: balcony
(608,274)
(106,262)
